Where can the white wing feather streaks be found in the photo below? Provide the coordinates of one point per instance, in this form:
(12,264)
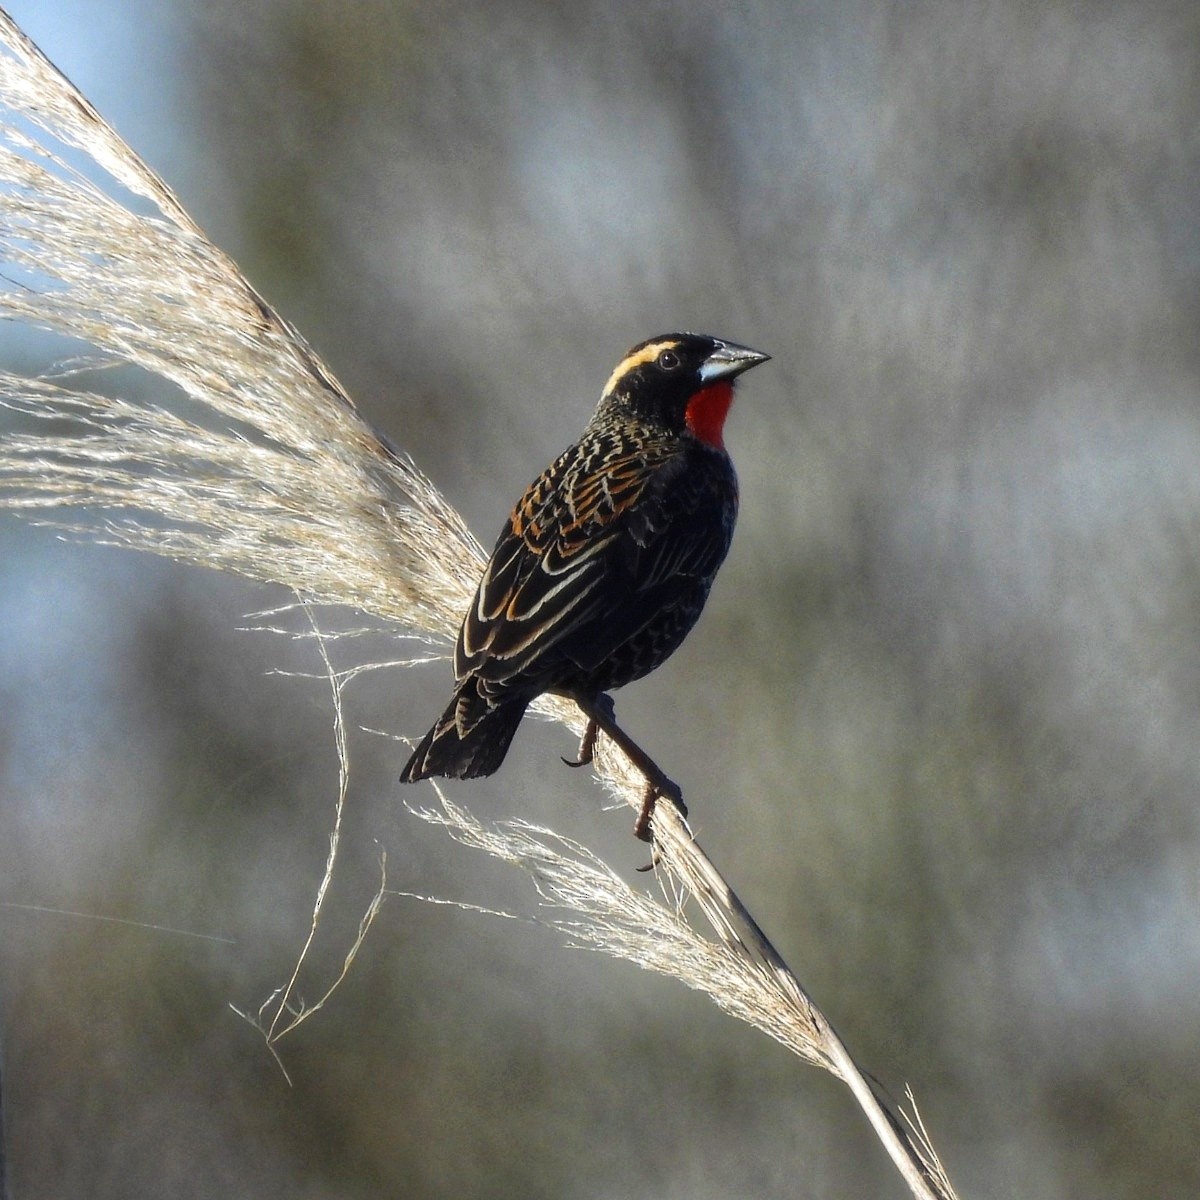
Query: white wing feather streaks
(579,566)
(562,541)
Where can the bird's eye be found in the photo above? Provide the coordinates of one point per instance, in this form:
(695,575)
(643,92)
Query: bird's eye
(668,360)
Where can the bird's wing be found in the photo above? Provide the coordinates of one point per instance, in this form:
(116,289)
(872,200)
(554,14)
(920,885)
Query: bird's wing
(596,534)
(564,547)
(684,524)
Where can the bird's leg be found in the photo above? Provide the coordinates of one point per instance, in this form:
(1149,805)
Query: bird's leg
(601,716)
(587,745)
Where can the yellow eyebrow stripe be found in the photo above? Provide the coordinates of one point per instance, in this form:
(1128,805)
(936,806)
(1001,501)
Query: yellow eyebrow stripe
(637,358)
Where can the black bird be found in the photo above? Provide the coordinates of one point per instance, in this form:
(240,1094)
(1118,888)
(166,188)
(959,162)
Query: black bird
(606,561)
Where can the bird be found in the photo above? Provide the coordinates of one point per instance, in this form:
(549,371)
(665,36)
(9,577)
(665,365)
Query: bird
(604,564)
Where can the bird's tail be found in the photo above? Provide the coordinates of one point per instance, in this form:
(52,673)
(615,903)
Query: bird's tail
(470,738)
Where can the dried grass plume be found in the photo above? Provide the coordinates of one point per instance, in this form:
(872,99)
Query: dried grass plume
(261,465)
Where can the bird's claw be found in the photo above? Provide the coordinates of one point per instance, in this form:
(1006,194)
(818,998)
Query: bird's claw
(663,789)
(587,747)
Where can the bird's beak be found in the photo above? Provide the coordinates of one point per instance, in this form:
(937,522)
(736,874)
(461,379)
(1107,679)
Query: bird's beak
(729,359)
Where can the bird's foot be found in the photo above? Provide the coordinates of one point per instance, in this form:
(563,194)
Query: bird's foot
(661,788)
(587,747)
(600,714)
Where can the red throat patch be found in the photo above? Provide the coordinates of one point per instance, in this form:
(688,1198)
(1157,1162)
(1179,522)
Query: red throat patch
(706,412)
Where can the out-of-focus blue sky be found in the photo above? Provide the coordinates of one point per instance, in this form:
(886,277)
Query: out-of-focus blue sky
(114,51)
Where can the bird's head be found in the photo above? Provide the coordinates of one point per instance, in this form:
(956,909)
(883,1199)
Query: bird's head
(683,381)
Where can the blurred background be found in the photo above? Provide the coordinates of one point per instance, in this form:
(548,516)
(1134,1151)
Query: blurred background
(940,724)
